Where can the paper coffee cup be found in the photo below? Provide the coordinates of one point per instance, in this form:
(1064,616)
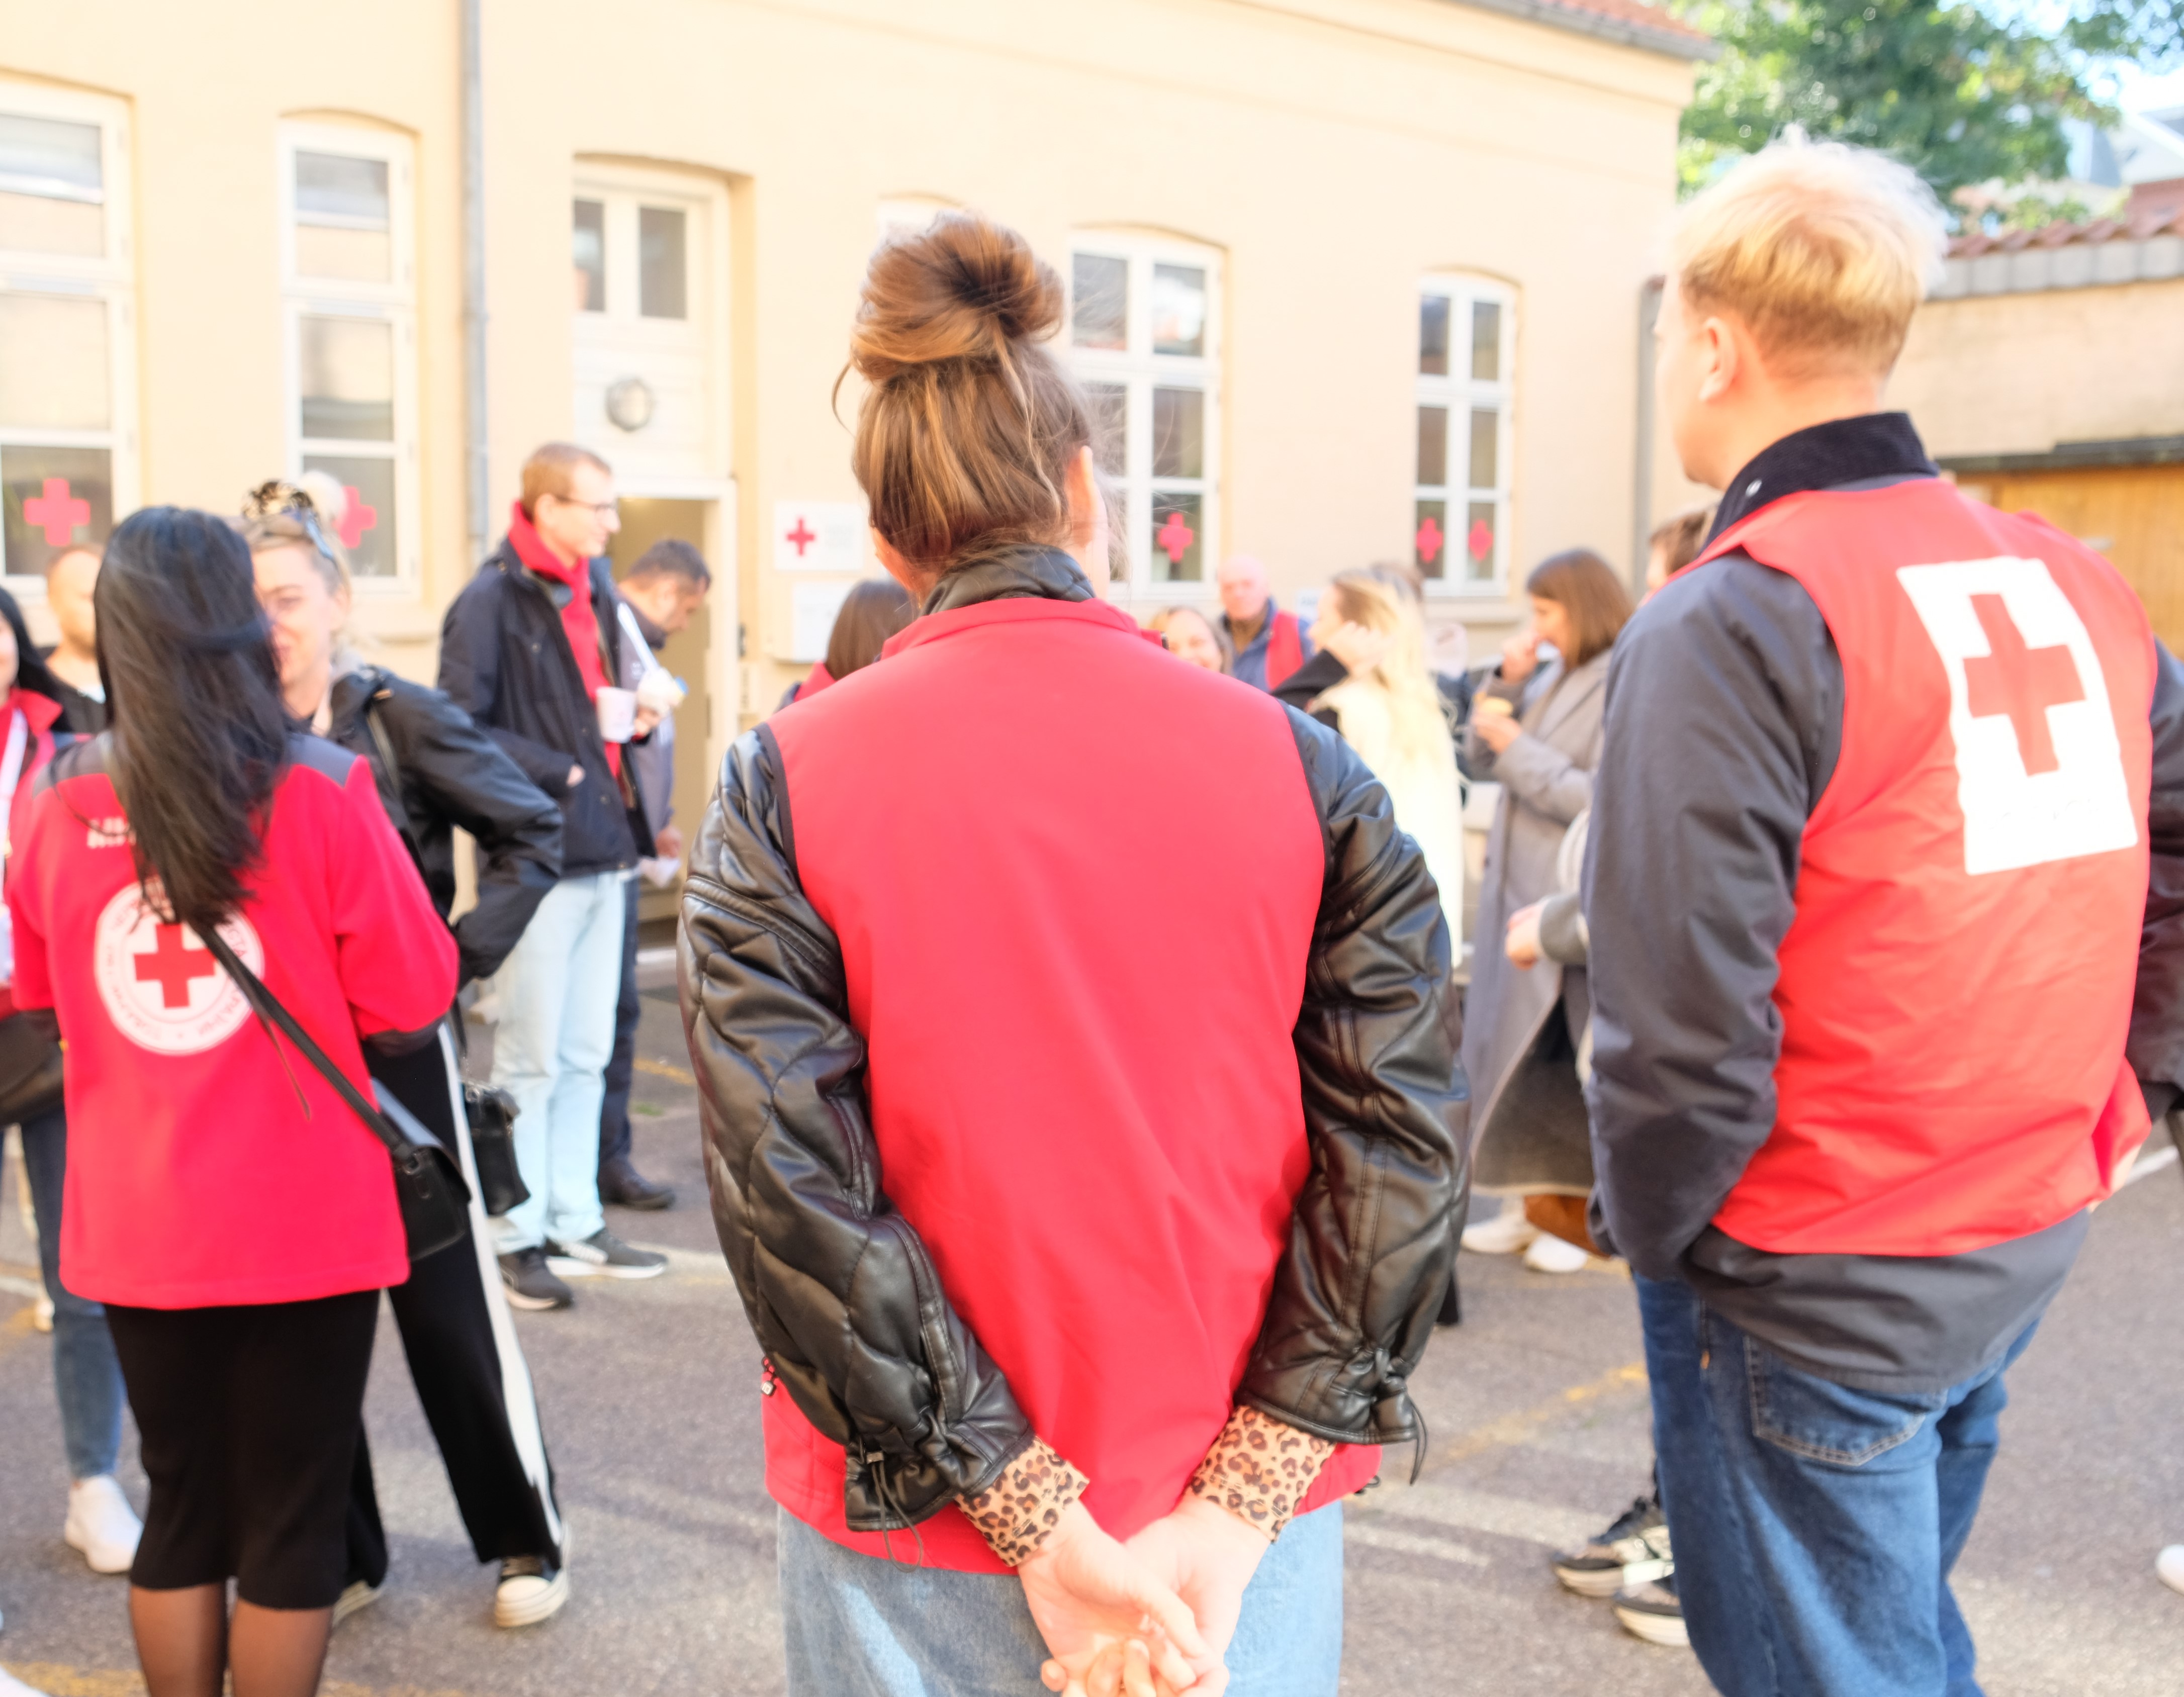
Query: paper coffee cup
(617,710)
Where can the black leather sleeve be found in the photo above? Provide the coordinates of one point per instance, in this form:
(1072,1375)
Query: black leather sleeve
(839,1288)
(1372,1239)
(2157,1015)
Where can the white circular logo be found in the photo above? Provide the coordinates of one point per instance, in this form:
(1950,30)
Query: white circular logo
(162,988)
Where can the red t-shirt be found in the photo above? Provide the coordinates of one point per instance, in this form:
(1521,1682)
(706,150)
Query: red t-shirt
(195,1177)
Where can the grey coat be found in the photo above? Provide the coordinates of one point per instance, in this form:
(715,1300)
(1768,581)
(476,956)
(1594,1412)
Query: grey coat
(1530,1119)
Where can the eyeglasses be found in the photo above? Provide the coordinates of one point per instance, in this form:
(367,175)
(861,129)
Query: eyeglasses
(605,509)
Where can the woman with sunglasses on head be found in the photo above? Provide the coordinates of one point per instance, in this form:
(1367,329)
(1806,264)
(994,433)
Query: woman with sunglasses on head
(225,1201)
(435,772)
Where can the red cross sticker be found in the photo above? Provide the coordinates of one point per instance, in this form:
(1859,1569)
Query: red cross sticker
(174,966)
(2020,681)
(57,512)
(358,517)
(1175,537)
(802,537)
(1430,540)
(1480,541)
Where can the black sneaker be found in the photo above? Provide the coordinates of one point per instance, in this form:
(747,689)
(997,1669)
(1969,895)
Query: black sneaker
(1630,1552)
(1654,1612)
(530,1283)
(530,1588)
(624,1186)
(603,1255)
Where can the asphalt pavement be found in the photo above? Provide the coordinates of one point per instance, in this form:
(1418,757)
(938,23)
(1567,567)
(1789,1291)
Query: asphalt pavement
(1536,1404)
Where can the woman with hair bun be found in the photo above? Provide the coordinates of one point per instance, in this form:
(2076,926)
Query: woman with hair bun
(1082,1269)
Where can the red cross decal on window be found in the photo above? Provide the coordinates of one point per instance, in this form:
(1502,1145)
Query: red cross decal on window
(174,966)
(358,517)
(1174,537)
(55,512)
(2020,681)
(1480,541)
(803,535)
(1430,540)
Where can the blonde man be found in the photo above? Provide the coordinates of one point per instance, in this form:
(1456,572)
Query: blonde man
(1874,1022)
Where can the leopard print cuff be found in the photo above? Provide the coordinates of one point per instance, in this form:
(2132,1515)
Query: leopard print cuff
(1018,1512)
(1259,1470)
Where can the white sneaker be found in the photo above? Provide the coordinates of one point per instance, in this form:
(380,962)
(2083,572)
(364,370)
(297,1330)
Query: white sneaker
(357,1594)
(2169,1567)
(531,1588)
(102,1524)
(1505,1234)
(11,1687)
(1548,1254)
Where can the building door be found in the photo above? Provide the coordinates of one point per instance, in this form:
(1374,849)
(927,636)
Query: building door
(2132,513)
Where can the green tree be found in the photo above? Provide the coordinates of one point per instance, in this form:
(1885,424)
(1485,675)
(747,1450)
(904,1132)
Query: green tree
(1960,97)
(2147,32)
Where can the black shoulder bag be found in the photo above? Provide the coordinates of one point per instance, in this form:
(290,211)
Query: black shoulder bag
(427,1183)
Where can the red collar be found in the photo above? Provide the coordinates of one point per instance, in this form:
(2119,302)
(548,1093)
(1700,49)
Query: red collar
(531,548)
(935,627)
(40,712)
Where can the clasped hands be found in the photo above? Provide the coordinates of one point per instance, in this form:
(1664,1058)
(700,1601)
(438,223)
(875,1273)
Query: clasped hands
(1149,1617)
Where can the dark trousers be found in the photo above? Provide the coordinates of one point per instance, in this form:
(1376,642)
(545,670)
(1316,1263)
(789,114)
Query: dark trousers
(622,1068)
(466,1364)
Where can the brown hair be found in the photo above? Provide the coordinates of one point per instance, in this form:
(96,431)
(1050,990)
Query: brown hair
(1592,596)
(547,471)
(967,431)
(1681,536)
(872,612)
(673,557)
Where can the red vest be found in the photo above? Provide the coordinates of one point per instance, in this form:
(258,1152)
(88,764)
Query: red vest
(1284,649)
(1956,988)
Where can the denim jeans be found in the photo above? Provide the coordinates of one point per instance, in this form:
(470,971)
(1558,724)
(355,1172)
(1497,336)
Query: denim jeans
(1815,1524)
(557,992)
(860,1627)
(87,1375)
(615,1135)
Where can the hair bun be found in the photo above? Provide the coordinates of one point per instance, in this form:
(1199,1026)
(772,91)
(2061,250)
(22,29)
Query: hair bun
(962,288)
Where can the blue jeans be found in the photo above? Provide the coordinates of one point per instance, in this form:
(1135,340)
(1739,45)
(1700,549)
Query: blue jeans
(860,1627)
(1815,1525)
(557,992)
(86,1374)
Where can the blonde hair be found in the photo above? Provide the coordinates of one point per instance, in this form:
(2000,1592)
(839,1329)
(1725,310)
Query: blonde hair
(1825,251)
(549,471)
(1365,598)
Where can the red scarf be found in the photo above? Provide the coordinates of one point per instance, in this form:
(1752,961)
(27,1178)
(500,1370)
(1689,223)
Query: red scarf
(578,621)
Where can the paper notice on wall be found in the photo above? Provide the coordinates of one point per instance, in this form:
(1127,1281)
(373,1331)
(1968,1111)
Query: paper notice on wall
(818,536)
(812,607)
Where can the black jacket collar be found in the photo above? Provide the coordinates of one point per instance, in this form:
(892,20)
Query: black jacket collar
(1015,573)
(1824,456)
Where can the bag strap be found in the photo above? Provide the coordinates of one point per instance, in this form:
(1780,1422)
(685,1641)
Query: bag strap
(268,1007)
(388,763)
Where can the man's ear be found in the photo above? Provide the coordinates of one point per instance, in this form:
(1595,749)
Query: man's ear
(1724,358)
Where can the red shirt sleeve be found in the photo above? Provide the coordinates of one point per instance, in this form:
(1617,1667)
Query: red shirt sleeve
(33,985)
(396,959)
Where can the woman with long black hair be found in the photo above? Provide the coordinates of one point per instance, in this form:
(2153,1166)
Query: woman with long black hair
(224,1202)
(436,772)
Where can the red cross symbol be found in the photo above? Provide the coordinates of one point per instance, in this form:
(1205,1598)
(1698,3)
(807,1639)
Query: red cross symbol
(174,966)
(1175,537)
(803,535)
(1480,541)
(2020,681)
(55,512)
(1430,540)
(357,516)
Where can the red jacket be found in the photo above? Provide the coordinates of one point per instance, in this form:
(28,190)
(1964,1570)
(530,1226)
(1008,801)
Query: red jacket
(41,713)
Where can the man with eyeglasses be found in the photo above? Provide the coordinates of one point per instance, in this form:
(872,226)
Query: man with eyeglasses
(533,649)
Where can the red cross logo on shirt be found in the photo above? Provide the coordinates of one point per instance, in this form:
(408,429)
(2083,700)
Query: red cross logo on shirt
(357,516)
(1175,537)
(2020,681)
(173,965)
(803,535)
(57,512)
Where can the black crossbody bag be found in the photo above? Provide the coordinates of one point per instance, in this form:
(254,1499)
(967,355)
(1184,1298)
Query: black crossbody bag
(427,1183)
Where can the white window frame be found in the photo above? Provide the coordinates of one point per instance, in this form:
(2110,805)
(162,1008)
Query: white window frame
(394,303)
(111,278)
(1459,391)
(1139,371)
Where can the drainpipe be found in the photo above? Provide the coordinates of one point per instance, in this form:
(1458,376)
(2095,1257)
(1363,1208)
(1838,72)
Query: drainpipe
(1641,505)
(473,417)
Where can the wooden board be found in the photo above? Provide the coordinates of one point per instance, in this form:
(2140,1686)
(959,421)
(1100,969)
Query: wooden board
(2134,515)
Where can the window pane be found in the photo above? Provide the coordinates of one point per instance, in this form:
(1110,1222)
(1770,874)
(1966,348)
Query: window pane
(366,528)
(663,278)
(1433,446)
(1486,341)
(348,378)
(590,243)
(359,256)
(1110,416)
(1433,336)
(1178,527)
(1479,543)
(1178,432)
(32,224)
(1100,314)
(53,363)
(50,157)
(52,497)
(1485,447)
(335,189)
(1429,541)
(1179,310)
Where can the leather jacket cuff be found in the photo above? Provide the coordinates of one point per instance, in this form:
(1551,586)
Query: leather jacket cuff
(1018,1512)
(1259,1470)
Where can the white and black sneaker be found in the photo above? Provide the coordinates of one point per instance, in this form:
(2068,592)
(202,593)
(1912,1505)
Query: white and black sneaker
(603,1255)
(1654,1612)
(531,1588)
(358,1595)
(1631,1552)
(530,1283)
